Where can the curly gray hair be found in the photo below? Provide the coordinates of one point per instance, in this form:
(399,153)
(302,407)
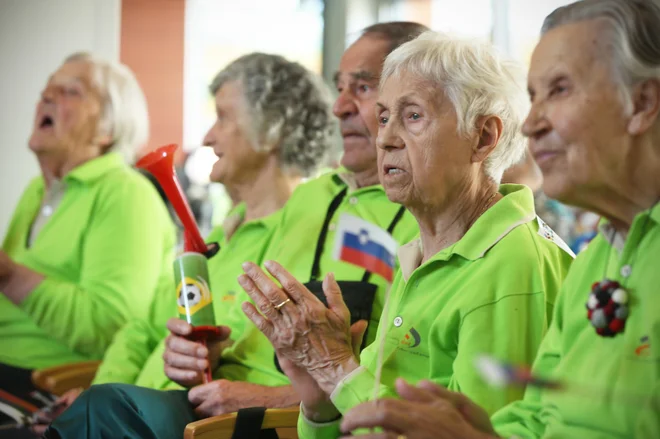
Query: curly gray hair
(289,107)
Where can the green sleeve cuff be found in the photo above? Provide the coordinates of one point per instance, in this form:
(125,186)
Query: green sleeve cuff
(313,430)
(356,388)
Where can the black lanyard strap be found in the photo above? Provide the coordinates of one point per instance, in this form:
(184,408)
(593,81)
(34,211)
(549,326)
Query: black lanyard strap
(320,243)
(334,205)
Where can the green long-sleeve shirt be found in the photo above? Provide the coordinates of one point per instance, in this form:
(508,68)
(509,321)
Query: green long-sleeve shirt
(492,292)
(105,252)
(612,377)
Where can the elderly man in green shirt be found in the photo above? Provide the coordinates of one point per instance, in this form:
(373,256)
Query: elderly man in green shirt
(594,129)
(481,278)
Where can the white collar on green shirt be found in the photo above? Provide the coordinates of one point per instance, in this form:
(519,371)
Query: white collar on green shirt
(514,209)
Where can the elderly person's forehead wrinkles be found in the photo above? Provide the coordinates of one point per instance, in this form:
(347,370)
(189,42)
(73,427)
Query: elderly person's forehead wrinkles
(567,52)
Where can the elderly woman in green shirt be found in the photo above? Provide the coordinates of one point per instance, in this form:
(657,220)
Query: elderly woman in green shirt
(90,243)
(594,129)
(483,276)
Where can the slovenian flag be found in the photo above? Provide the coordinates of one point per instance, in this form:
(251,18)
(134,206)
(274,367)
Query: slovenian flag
(366,245)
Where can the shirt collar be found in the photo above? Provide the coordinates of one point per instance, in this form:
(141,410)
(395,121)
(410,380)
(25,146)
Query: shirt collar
(410,257)
(342,176)
(617,240)
(234,219)
(94,169)
(514,209)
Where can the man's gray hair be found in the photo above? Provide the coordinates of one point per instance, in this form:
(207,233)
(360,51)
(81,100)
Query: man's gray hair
(124,114)
(477,80)
(634,36)
(288,107)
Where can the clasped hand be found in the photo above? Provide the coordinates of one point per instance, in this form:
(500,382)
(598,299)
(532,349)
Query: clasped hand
(303,331)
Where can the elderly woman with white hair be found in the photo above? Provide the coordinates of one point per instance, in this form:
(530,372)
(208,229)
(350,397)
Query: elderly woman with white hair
(90,243)
(483,275)
(594,129)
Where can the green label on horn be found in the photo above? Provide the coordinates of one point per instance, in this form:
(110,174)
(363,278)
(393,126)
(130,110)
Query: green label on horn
(192,289)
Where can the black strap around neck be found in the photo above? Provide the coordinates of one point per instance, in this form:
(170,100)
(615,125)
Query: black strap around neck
(334,205)
(320,244)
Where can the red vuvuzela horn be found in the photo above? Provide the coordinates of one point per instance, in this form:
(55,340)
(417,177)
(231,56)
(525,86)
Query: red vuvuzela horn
(194,299)
(160,163)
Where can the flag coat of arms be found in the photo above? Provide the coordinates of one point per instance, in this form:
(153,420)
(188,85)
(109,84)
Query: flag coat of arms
(366,245)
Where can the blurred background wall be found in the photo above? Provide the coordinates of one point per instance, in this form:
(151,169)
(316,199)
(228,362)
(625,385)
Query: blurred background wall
(175,47)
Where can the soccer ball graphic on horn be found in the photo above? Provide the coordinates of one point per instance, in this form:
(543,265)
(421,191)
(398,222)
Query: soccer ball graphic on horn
(193,295)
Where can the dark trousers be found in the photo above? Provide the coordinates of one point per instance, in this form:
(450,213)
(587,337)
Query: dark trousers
(124,411)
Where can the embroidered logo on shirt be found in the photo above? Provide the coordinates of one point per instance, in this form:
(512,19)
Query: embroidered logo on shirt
(412,339)
(643,349)
(229,297)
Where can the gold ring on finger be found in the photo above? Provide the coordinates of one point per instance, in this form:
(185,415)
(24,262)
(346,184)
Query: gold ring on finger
(280,305)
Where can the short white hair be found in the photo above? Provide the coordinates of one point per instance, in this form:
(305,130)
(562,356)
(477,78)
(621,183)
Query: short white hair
(477,80)
(124,114)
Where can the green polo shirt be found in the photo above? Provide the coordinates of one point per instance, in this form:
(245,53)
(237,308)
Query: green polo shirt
(492,292)
(620,372)
(239,242)
(137,347)
(294,245)
(106,251)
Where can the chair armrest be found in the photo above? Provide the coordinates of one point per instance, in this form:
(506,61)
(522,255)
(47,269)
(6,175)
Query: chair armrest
(59,379)
(219,427)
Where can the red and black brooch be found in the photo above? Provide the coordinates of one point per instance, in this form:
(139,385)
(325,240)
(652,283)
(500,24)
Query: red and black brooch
(607,308)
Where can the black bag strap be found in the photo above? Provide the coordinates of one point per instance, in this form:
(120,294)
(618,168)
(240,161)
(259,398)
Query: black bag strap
(248,424)
(334,205)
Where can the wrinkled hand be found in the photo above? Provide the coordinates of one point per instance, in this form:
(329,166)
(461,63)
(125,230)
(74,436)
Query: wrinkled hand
(186,360)
(17,281)
(44,417)
(221,396)
(316,404)
(311,336)
(426,411)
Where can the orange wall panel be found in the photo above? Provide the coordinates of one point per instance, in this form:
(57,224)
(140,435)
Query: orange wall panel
(152,41)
